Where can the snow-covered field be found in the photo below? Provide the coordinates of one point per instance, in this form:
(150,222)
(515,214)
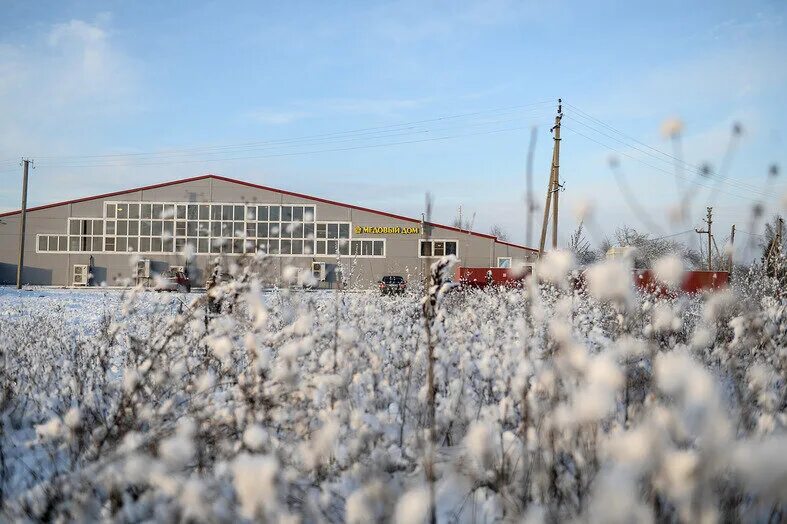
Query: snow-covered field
(544,403)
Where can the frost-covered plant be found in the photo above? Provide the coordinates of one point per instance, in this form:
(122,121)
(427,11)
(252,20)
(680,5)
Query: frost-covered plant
(554,401)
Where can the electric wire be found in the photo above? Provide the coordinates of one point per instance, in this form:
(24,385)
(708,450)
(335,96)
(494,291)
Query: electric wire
(390,127)
(657,168)
(163,156)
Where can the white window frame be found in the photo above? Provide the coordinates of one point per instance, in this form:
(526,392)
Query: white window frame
(432,241)
(510,262)
(350,250)
(309,243)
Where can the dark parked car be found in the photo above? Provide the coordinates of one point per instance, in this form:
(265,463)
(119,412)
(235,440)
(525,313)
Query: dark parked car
(392,284)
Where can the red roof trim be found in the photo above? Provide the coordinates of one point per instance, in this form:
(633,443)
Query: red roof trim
(107,195)
(515,245)
(267,188)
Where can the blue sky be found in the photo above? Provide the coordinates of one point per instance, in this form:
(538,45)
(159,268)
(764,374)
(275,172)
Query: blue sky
(80,79)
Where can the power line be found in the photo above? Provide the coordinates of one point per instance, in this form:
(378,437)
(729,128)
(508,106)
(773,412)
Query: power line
(673,158)
(166,155)
(250,157)
(695,182)
(391,127)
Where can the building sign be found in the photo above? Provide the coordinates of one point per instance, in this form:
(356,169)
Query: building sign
(387,230)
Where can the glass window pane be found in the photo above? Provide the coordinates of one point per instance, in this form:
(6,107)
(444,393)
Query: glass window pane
(426,248)
(181,213)
(133,211)
(378,248)
(215,229)
(156,228)
(240,213)
(133,244)
(191,228)
(344,247)
(122,210)
(122,244)
(111,210)
(43,243)
(202,245)
(145,227)
(144,245)
(169,211)
(158,210)
(286,247)
(297,213)
(273,214)
(262,230)
(366,247)
(168,227)
(332,246)
(204,212)
(321,247)
(226,212)
(109,244)
(169,245)
(308,213)
(110,227)
(98,244)
(251,230)
(251,213)
(133,227)
(273,247)
(297,247)
(344,230)
(192,212)
(333,230)
(308,247)
(122,227)
(321,231)
(204,229)
(308,230)
(179,244)
(273,230)
(73,227)
(356,247)
(286,215)
(450,248)
(98,227)
(262,213)
(155,244)
(215,212)
(147,211)
(439,248)
(238,229)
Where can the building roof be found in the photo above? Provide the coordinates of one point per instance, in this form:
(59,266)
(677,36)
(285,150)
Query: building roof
(275,190)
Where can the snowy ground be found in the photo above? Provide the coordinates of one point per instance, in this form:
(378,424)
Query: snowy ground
(549,404)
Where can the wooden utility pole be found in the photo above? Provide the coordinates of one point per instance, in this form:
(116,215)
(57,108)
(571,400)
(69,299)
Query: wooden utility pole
(709,232)
(22,224)
(554,184)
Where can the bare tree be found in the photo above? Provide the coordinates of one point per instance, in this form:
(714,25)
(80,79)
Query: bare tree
(498,231)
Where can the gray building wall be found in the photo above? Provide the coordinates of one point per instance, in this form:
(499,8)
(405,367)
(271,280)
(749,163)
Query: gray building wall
(401,251)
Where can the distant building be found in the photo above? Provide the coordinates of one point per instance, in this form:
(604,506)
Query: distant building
(219,216)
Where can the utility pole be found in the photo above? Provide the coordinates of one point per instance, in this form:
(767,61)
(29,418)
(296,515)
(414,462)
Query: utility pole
(22,223)
(554,184)
(709,232)
(732,245)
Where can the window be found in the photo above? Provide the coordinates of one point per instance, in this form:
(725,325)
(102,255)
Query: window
(504,262)
(437,248)
(167,227)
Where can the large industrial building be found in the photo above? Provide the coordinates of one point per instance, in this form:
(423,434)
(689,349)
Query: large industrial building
(132,235)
